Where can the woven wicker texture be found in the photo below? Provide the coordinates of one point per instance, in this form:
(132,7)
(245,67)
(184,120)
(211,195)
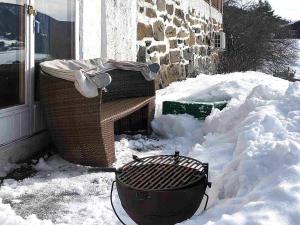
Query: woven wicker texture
(83,129)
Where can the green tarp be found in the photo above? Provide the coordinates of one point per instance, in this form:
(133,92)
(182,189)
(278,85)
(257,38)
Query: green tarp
(199,110)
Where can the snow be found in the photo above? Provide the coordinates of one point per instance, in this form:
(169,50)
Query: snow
(252,147)
(9,57)
(296,67)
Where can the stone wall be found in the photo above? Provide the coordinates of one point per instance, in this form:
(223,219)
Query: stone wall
(177,36)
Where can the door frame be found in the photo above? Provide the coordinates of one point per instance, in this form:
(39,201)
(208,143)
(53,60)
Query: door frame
(26,66)
(31,67)
(29,114)
(16,120)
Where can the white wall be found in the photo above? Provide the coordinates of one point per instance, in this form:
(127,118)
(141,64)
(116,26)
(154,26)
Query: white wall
(90,29)
(121,27)
(108,28)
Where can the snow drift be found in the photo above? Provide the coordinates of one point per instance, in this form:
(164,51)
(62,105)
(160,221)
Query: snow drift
(252,146)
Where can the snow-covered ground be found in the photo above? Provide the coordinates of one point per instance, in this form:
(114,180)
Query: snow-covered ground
(297,65)
(252,146)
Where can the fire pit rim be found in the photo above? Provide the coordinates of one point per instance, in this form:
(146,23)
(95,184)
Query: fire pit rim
(203,169)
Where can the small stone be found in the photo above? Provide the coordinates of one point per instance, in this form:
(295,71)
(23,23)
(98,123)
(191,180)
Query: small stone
(190,20)
(205,28)
(170,9)
(161,5)
(158,48)
(154,59)
(171,73)
(180,41)
(197,30)
(192,39)
(176,72)
(187,17)
(188,54)
(144,31)
(186,25)
(179,13)
(203,51)
(199,40)
(177,22)
(158,28)
(197,22)
(173,43)
(186,42)
(148,43)
(151,13)
(142,10)
(162,81)
(192,69)
(209,51)
(165,60)
(196,50)
(207,40)
(182,34)
(170,31)
(164,17)
(149,1)
(175,56)
(141,56)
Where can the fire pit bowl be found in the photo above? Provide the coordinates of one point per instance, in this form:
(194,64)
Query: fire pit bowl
(163,189)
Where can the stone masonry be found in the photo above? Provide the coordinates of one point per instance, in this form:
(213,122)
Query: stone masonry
(177,39)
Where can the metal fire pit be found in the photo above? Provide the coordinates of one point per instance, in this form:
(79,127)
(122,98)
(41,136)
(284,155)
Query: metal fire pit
(163,189)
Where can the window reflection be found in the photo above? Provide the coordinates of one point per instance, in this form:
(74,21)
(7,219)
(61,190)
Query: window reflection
(12,36)
(54,32)
(54,39)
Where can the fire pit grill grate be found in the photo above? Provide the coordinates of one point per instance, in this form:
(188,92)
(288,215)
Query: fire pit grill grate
(162,172)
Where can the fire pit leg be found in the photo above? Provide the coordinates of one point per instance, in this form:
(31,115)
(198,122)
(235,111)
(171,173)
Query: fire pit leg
(112,204)
(207,197)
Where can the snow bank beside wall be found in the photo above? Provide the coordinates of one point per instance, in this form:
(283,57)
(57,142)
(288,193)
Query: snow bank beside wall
(252,147)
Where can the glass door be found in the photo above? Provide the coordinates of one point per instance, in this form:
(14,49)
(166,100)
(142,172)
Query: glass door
(12,53)
(15,119)
(31,31)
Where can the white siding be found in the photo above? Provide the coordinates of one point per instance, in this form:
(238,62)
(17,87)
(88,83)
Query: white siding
(14,125)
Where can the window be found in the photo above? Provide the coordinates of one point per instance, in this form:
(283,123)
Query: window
(54,33)
(12,55)
(219,40)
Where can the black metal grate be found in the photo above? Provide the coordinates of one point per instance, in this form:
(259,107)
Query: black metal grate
(162,172)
